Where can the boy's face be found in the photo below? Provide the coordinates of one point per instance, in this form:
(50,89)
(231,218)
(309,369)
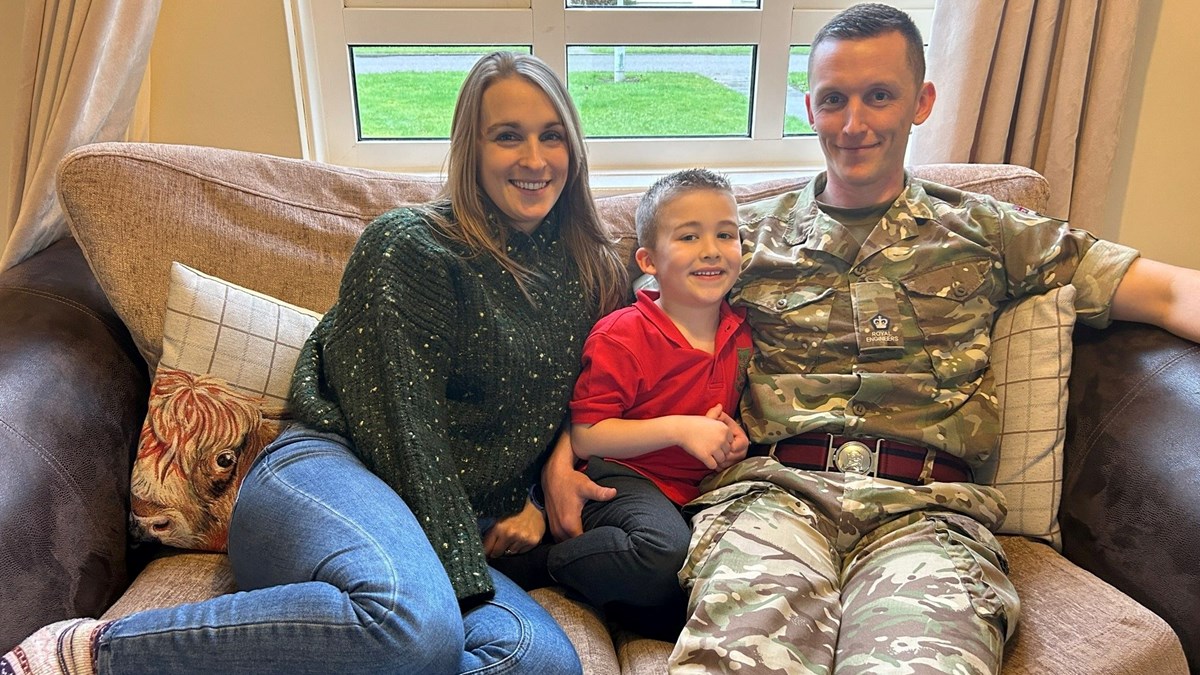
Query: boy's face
(697,253)
(863,100)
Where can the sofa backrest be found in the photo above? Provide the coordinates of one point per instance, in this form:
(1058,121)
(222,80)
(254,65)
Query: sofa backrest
(285,227)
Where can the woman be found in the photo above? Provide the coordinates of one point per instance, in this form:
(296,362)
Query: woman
(427,396)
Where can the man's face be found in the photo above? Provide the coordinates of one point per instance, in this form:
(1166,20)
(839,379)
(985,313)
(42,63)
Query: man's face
(863,100)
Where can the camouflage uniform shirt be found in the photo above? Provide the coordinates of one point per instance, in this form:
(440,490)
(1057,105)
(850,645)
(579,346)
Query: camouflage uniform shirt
(892,339)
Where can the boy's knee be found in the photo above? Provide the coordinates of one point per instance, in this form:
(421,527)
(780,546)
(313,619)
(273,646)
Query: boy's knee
(660,563)
(660,549)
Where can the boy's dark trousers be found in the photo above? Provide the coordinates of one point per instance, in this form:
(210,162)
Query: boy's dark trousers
(627,560)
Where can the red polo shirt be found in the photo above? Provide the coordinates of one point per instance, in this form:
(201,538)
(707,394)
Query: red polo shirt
(637,365)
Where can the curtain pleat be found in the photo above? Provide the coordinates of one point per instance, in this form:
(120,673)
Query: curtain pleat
(1038,83)
(81,68)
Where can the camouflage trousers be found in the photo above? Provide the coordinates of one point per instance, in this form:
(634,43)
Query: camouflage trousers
(795,571)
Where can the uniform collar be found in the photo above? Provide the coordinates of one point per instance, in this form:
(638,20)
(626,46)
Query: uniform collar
(815,230)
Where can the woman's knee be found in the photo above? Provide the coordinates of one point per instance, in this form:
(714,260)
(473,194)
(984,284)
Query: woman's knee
(513,633)
(424,641)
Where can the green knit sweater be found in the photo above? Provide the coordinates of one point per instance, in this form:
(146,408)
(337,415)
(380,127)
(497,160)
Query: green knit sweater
(447,380)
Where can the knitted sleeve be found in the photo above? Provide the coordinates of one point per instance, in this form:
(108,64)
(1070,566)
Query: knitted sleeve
(385,359)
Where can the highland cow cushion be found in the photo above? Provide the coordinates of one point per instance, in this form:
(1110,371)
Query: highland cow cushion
(218,397)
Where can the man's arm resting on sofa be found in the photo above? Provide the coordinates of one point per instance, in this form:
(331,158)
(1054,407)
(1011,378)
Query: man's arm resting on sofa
(1162,295)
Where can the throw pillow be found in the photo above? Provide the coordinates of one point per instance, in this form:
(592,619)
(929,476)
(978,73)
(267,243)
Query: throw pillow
(218,397)
(1031,361)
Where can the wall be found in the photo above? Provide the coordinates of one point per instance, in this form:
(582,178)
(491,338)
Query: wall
(221,76)
(1158,164)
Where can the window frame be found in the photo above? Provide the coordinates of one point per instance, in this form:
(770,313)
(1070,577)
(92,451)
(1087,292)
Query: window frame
(322,30)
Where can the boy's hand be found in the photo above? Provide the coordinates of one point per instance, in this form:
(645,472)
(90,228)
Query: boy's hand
(708,438)
(516,533)
(740,445)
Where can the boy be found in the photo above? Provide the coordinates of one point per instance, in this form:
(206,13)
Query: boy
(650,412)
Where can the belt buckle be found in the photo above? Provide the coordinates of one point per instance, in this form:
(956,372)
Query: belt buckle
(853,457)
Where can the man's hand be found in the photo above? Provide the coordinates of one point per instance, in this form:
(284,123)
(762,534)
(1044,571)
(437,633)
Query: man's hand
(567,490)
(516,533)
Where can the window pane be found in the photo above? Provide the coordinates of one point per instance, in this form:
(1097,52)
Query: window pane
(660,4)
(647,91)
(796,122)
(409,92)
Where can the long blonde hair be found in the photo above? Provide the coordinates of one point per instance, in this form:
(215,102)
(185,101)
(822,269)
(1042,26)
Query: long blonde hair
(584,235)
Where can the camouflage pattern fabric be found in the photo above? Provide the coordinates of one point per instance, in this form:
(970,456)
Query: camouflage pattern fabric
(812,572)
(892,339)
(793,571)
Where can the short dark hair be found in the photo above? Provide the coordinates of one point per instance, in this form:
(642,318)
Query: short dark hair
(872,19)
(667,188)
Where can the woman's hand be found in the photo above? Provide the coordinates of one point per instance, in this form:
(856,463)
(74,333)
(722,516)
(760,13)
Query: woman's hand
(516,533)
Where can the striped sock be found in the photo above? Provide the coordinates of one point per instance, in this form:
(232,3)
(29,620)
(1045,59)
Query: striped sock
(63,648)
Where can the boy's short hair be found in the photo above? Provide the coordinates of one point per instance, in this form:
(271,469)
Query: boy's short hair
(872,19)
(667,188)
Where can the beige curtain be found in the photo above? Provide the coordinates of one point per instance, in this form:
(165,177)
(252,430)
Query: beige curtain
(1039,83)
(82,66)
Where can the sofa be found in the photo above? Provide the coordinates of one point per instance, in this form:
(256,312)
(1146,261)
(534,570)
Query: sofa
(78,351)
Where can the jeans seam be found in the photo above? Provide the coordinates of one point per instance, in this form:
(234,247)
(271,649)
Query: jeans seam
(513,658)
(269,467)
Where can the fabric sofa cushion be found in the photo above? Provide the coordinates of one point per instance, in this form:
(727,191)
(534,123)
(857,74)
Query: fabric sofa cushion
(218,397)
(1031,361)
(1071,621)
(285,227)
(178,577)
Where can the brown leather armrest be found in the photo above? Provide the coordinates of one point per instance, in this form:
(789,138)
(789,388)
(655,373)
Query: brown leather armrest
(1131,492)
(72,396)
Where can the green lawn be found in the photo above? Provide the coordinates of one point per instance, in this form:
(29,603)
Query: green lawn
(797,125)
(425,50)
(658,104)
(407,104)
(419,105)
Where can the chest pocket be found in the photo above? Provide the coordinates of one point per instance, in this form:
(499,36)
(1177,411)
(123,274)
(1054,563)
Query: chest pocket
(954,309)
(795,318)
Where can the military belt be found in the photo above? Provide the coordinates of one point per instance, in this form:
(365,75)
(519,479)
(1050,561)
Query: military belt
(880,457)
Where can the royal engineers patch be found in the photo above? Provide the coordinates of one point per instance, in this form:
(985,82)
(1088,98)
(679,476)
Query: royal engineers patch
(876,315)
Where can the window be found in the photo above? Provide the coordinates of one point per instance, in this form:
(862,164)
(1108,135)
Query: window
(659,83)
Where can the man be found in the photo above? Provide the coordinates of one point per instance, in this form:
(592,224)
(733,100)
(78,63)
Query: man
(861,541)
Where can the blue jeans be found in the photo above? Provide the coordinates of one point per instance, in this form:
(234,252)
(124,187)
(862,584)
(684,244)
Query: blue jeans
(336,576)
